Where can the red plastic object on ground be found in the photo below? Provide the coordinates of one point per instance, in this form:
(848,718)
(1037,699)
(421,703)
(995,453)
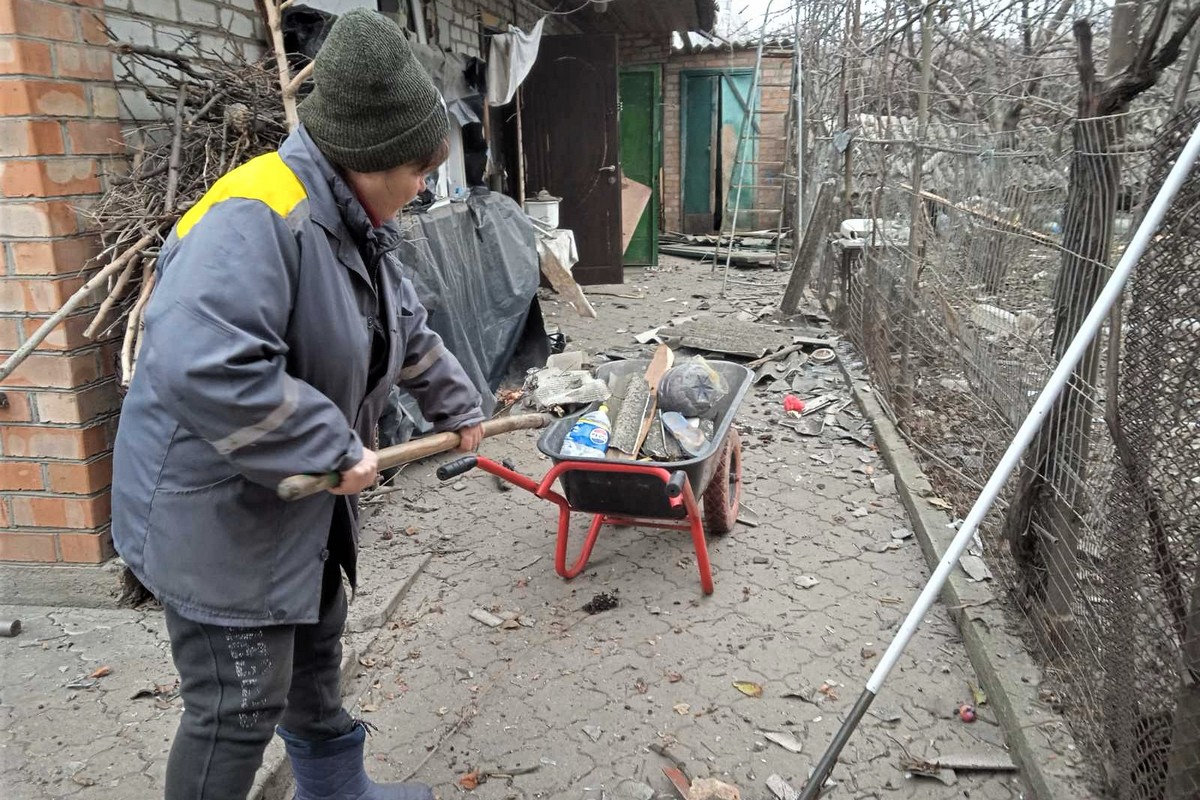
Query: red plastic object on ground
(793,403)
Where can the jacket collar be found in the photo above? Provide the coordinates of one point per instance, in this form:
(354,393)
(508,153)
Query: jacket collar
(332,203)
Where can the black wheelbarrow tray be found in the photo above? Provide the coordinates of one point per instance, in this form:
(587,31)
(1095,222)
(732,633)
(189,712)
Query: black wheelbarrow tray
(651,494)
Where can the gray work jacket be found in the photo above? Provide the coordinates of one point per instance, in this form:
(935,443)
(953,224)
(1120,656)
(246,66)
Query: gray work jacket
(255,366)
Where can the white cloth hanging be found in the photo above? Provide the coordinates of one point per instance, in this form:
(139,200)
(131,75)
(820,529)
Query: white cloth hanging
(509,60)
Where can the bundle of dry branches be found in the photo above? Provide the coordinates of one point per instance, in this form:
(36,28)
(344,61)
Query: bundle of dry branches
(220,112)
(224,113)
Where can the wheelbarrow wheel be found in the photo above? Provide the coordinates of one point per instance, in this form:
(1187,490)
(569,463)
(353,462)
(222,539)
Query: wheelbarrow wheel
(722,498)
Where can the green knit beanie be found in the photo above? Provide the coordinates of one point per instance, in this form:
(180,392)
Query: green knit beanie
(373,106)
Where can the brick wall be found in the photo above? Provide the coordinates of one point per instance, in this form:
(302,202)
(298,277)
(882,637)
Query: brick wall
(192,27)
(645,49)
(458,23)
(58,134)
(776,70)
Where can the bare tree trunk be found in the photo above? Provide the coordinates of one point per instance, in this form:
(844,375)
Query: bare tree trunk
(1043,521)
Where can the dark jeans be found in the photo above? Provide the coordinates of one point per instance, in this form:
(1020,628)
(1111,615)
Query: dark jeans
(239,683)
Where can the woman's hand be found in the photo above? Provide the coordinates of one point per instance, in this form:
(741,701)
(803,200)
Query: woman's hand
(361,476)
(470,438)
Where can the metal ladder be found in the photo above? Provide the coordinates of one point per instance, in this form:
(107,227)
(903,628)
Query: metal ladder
(751,130)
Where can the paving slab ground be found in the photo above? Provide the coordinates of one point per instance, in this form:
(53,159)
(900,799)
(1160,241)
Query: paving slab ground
(574,705)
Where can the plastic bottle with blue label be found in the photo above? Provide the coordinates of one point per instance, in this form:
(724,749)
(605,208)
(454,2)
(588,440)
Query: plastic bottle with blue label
(589,436)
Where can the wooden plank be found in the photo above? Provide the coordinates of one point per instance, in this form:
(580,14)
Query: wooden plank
(819,220)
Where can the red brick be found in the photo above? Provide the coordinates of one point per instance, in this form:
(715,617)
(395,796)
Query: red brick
(81,61)
(17,476)
(49,178)
(68,335)
(86,548)
(39,19)
(92,29)
(18,410)
(95,138)
(80,513)
(58,257)
(36,294)
(55,371)
(21,98)
(106,103)
(89,478)
(5,521)
(28,547)
(31,441)
(24,57)
(10,335)
(78,405)
(38,219)
(28,137)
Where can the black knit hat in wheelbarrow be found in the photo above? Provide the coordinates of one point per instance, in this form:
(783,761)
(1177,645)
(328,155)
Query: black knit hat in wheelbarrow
(373,106)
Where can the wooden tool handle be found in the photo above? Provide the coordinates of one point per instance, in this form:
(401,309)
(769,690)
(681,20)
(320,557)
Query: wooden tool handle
(300,486)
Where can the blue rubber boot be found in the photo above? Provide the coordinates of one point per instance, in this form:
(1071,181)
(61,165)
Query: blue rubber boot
(333,770)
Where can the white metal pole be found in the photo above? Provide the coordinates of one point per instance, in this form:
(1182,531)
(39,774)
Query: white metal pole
(1012,456)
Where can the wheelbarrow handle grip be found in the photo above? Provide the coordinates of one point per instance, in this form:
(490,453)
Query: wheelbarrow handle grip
(456,467)
(299,486)
(676,484)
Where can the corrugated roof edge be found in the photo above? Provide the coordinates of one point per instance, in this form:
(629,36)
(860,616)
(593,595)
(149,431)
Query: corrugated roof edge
(709,42)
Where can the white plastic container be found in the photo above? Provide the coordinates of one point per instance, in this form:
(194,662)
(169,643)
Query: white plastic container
(589,436)
(543,208)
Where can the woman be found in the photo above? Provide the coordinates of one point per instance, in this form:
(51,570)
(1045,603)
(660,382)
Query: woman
(279,323)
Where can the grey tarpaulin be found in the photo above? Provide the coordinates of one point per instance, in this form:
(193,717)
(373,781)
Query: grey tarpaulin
(475,267)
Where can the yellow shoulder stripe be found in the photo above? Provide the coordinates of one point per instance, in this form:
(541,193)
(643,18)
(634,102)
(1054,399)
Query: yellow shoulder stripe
(266,179)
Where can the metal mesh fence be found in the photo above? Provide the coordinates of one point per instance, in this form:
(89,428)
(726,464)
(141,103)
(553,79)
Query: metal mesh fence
(967,255)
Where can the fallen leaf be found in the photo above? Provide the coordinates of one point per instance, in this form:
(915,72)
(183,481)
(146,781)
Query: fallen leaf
(868,653)
(938,502)
(470,781)
(829,690)
(101,672)
(510,625)
(522,583)
(367,662)
(682,709)
(748,688)
(674,677)
(368,708)
(785,740)
(411,531)
(640,686)
(979,695)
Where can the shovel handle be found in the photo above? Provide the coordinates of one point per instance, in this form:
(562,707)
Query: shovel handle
(300,486)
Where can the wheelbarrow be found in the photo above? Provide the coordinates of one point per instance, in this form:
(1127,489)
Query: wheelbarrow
(649,494)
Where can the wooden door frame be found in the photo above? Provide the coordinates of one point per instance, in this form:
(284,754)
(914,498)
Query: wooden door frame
(684,76)
(656,148)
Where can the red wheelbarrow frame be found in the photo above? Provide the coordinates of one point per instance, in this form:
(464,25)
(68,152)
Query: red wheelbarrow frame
(676,486)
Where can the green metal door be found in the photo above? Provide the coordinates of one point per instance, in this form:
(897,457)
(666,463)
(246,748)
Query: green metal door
(641,143)
(715,107)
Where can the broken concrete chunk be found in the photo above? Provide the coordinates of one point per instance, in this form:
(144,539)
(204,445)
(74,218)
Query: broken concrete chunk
(785,740)
(487,618)
(712,789)
(557,388)
(572,360)
(781,788)
(975,568)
